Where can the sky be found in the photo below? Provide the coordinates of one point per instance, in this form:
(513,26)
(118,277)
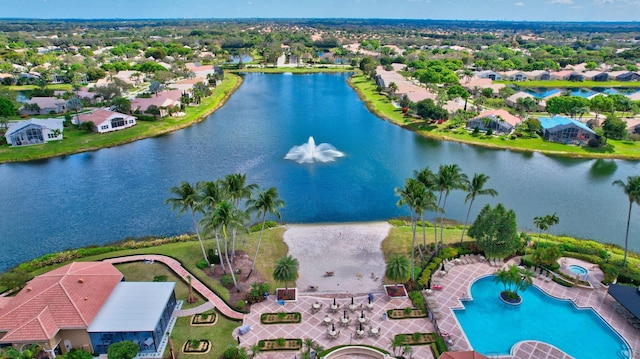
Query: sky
(510,10)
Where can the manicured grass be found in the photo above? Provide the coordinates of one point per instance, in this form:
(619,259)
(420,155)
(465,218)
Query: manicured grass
(399,239)
(569,84)
(219,334)
(381,105)
(55,87)
(140,272)
(79,141)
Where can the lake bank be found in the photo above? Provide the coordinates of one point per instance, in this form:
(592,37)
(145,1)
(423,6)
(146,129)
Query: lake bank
(78,141)
(381,106)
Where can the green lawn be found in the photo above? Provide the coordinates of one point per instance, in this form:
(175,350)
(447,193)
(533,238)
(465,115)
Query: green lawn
(55,87)
(219,334)
(568,84)
(79,141)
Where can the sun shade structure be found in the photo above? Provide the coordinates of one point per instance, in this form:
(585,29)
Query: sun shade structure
(628,297)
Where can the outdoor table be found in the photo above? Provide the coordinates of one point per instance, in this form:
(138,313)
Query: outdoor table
(374,332)
(428,292)
(327,320)
(352,307)
(362,320)
(316,305)
(360,333)
(344,321)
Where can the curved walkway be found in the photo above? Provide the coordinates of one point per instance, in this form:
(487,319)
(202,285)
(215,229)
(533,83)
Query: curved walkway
(177,268)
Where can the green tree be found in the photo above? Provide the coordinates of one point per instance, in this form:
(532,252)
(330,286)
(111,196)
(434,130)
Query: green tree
(458,91)
(475,188)
(513,280)
(15,278)
(74,104)
(286,270)
(155,87)
(427,178)
(7,107)
(398,269)
(614,128)
(526,105)
(541,223)
(427,109)
(77,354)
(413,195)
(496,231)
(448,178)
(237,188)
(265,202)
(186,199)
(601,104)
(121,104)
(631,188)
(551,220)
(546,256)
(123,350)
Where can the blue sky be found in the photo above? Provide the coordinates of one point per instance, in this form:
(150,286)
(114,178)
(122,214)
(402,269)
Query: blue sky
(527,10)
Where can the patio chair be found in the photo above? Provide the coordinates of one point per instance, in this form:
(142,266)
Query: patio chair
(549,277)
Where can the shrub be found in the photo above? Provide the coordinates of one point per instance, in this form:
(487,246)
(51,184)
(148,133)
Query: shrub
(489,132)
(202,264)
(440,344)
(425,278)
(160,278)
(417,300)
(146,118)
(594,142)
(610,273)
(123,350)
(562,282)
(77,354)
(448,253)
(226,280)
(476,130)
(213,257)
(240,304)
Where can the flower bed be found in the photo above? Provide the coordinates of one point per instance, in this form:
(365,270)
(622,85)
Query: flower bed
(196,346)
(396,291)
(280,344)
(208,318)
(287,295)
(417,338)
(406,313)
(280,318)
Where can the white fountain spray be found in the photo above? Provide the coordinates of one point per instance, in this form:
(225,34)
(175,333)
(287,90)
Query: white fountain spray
(309,152)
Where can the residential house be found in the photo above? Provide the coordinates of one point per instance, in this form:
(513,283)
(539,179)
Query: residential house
(633,125)
(45,106)
(86,305)
(411,89)
(515,75)
(569,75)
(186,85)
(512,100)
(488,74)
(34,131)
(595,76)
(204,70)
(475,85)
(499,121)
(134,78)
(538,75)
(565,130)
(163,100)
(624,76)
(107,121)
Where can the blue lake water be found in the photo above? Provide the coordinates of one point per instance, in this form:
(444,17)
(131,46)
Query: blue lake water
(107,195)
(494,327)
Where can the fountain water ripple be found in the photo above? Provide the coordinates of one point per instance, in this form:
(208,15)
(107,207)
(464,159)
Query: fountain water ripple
(309,152)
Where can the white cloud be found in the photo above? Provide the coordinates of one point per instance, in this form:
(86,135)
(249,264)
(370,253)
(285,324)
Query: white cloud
(602,2)
(561,2)
(519,3)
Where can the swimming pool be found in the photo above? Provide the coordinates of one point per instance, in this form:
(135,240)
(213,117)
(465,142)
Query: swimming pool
(494,327)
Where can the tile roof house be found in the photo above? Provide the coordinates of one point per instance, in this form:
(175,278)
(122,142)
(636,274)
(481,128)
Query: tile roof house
(55,310)
(488,74)
(162,100)
(512,100)
(187,84)
(34,131)
(565,130)
(595,76)
(499,121)
(107,121)
(46,106)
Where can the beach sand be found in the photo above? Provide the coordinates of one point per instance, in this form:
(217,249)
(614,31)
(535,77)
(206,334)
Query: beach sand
(352,251)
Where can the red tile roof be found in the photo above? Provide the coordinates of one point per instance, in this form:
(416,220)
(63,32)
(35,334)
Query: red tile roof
(66,298)
(506,116)
(100,115)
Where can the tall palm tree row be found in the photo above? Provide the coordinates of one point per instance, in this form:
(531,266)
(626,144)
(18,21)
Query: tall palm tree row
(186,198)
(631,188)
(448,178)
(237,189)
(413,195)
(265,202)
(475,188)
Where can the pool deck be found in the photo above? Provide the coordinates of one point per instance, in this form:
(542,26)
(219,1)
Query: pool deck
(457,283)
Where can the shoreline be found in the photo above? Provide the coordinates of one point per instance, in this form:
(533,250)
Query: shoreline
(181,124)
(442,137)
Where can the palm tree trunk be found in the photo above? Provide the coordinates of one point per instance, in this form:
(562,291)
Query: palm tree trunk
(435,227)
(626,237)
(204,253)
(444,203)
(413,245)
(226,255)
(224,268)
(255,258)
(466,221)
(424,232)
(233,244)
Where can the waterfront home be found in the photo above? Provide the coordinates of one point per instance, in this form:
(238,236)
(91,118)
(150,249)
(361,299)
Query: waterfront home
(186,85)
(565,130)
(515,75)
(34,131)
(499,121)
(44,106)
(106,120)
(474,86)
(595,76)
(512,101)
(624,76)
(163,100)
(488,74)
(568,75)
(86,305)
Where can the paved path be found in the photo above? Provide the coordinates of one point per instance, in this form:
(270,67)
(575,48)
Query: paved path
(191,311)
(183,273)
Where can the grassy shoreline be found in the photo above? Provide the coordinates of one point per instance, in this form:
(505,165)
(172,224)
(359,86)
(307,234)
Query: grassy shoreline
(77,141)
(381,106)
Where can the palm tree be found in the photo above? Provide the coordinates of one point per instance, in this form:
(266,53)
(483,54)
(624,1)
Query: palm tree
(225,216)
(448,178)
(286,270)
(266,201)
(255,350)
(427,178)
(632,189)
(540,223)
(211,193)
(475,187)
(397,269)
(187,199)
(397,342)
(412,196)
(551,219)
(236,187)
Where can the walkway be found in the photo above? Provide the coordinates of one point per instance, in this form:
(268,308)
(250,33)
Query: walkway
(456,285)
(191,311)
(312,326)
(177,268)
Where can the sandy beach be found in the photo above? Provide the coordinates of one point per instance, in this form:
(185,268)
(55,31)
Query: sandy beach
(352,251)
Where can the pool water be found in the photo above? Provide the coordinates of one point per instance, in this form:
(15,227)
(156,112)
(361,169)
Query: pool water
(576,269)
(494,327)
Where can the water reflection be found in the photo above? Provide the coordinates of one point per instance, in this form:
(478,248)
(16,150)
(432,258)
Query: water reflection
(603,168)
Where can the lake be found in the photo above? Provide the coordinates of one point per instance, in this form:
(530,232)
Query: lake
(114,193)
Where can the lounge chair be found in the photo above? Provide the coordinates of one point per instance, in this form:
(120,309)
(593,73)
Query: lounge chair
(549,277)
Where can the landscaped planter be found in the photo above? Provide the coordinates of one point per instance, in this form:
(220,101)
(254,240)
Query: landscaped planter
(510,300)
(417,338)
(287,295)
(204,319)
(405,314)
(395,291)
(280,318)
(280,344)
(202,347)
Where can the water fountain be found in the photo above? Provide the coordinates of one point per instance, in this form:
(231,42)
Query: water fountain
(309,152)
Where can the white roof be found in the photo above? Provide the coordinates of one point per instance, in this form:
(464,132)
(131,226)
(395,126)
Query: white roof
(133,307)
(50,123)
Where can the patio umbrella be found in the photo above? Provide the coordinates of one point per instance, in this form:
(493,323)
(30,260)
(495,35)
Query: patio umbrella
(369,298)
(362,315)
(361,327)
(334,301)
(333,327)
(351,300)
(345,314)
